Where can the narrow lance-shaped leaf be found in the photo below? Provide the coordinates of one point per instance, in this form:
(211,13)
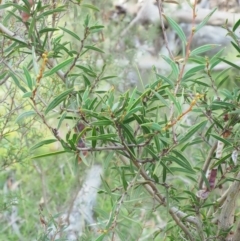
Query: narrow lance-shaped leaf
(58,67)
(230,63)
(173,65)
(94,133)
(177,28)
(94,48)
(58,100)
(90,7)
(42,143)
(203,49)
(70,33)
(192,131)
(28,78)
(236,25)
(16,81)
(25,115)
(153,126)
(49,154)
(205,20)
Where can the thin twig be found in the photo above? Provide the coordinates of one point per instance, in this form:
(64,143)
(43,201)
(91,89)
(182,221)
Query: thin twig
(206,164)
(161,11)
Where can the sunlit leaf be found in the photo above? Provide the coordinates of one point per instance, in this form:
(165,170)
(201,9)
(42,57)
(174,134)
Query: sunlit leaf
(205,20)
(90,6)
(192,131)
(70,33)
(28,78)
(58,67)
(42,143)
(93,48)
(49,154)
(58,100)
(177,28)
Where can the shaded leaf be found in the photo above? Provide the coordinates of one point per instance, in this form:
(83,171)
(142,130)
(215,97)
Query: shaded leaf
(25,115)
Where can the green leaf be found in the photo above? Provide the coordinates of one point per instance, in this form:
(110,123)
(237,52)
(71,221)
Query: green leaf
(42,143)
(58,67)
(205,20)
(25,115)
(87,70)
(103,137)
(17,82)
(235,46)
(58,100)
(193,71)
(46,30)
(182,157)
(180,163)
(226,142)
(205,180)
(192,131)
(124,182)
(160,98)
(28,78)
(215,58)
(220,161)
(153,126)
(175,101)
(128,132)
(17,6)
(83,158)
(96,29)
(102,123)
(166,80)
(94,142)
(177,28)
(101,237)
(63,116)
(93,48)
(236,25)
(108,77)
(230,63)
(92,7)
(174,67)
(52,11)
(70,33)
(132,111)
(203,49)
(49,154)
(27,95)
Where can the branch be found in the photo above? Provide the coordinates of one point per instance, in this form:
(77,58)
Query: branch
(226,218)
(160,10)
(206,164)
